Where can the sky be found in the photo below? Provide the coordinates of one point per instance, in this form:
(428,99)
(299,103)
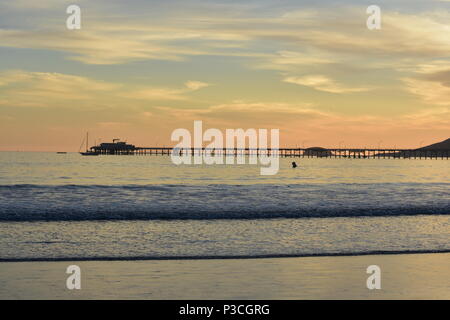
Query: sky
(138,70)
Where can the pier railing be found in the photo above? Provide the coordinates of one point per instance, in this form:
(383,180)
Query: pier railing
(350,153)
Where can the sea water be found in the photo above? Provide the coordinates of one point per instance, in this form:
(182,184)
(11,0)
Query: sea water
(66,206)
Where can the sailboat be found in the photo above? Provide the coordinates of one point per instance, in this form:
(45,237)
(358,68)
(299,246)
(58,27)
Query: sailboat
(88,152)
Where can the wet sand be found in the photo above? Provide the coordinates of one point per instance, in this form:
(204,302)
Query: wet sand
(403,276)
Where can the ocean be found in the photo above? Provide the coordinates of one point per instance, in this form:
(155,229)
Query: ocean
(68,207)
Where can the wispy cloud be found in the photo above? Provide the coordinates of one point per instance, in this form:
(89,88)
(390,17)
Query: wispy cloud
(40,89)
(323,83)
(342,32)
(432,92)
(196,85)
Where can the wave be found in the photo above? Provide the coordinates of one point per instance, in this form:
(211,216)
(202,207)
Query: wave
(28,202)
(227,257)
(65,215)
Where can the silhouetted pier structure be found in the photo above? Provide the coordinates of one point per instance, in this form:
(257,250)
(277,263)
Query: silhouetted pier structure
(121,148)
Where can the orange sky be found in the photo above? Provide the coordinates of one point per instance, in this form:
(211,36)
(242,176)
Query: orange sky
(138,72)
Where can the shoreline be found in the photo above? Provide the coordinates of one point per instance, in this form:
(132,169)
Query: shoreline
(227,257)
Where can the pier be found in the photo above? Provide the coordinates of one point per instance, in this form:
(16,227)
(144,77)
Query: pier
(122,148)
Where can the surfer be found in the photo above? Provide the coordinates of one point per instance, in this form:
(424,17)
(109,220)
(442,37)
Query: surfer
(294,165)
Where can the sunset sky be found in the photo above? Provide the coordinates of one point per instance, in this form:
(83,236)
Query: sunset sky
(137,70)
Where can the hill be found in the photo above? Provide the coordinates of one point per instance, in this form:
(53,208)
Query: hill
(443,145)
(435,150)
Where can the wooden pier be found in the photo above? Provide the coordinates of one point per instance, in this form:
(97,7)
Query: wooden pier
(349,153)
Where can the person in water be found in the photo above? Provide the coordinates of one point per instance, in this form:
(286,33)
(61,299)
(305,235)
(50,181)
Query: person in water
(294,165)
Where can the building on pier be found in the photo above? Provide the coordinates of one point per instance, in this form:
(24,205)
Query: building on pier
(115,147)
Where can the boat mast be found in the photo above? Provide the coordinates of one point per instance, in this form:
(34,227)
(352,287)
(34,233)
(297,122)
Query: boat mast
(87,141)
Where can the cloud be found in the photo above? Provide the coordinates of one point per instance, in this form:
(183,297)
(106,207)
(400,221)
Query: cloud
(42,89)
(435,118)
(344,31)
(335,34)
(96,47)
(442,77)
(55,82)
(323,83)
(286,60)
(196,85)
(432,92)
(431,83)
(430,67)
(146,93)
(43,4)
(244,114)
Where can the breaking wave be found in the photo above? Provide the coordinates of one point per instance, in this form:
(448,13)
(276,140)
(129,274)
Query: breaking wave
(27,202)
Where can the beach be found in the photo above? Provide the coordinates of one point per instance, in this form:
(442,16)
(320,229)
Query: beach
(403,276)
(212,149)
(142,228)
